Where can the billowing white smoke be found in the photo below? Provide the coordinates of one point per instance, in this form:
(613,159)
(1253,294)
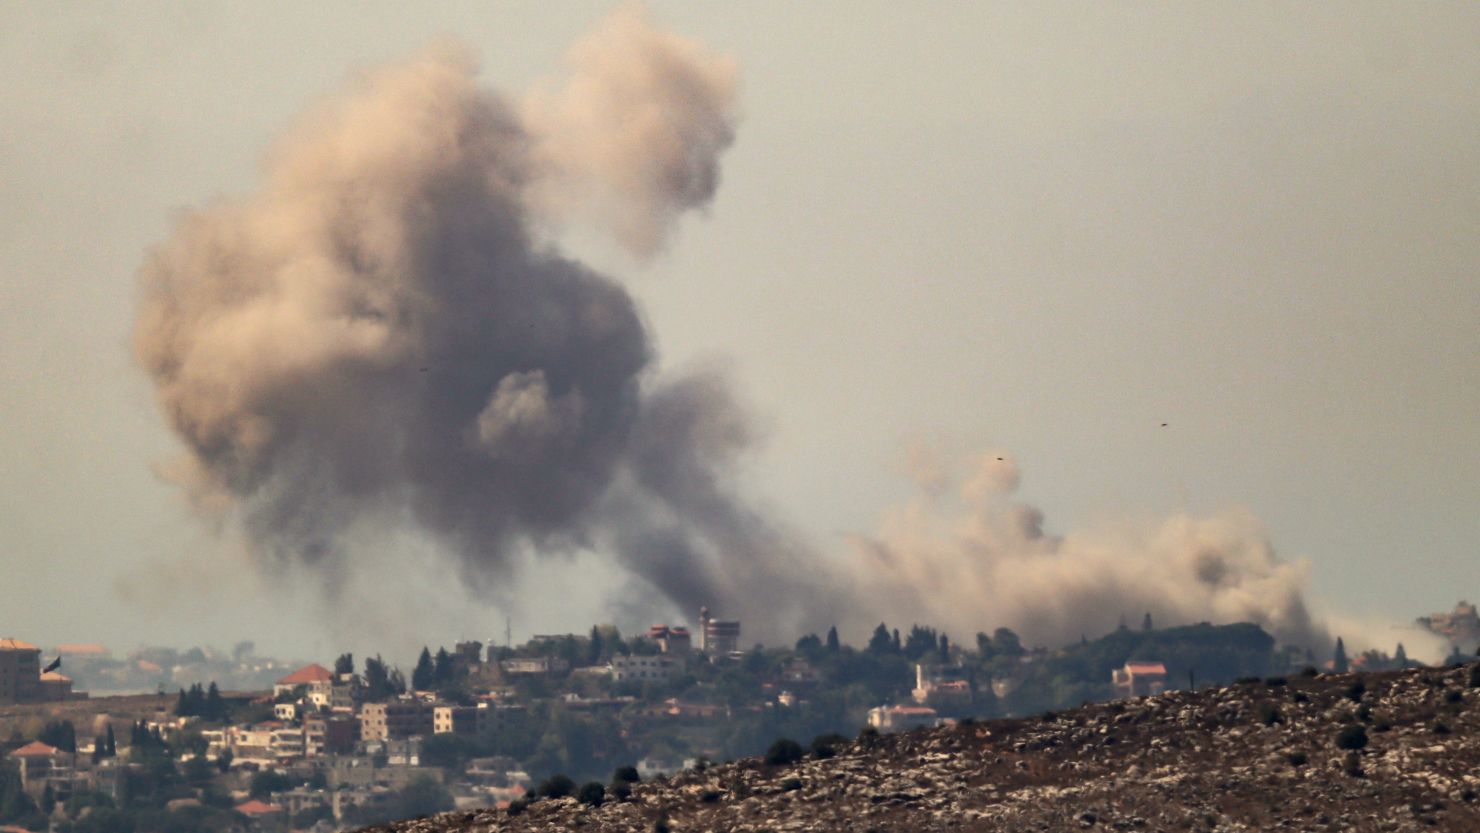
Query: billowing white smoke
(974,558)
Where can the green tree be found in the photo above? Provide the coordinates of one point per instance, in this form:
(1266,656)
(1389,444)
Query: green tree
(1339,663)
(425,673)
(833,645)
(345,664)
(594,647)
(1401,656)
(1006,641)
(215,707)
(1146,622)
(112,745)
(879,644)
(443,670)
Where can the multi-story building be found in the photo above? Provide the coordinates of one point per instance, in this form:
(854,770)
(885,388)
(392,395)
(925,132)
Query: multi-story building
(643,668)
(718,637)
(459,720)
(316,681)
(333,734)
(670,640)
(41,765)
(395,720)
(534,665)
(20,672)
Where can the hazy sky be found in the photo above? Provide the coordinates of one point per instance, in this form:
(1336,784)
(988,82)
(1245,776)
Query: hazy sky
(1036,227)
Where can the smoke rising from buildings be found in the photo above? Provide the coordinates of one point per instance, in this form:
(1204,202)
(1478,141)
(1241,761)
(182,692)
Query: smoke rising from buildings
(378,338)
(952,558)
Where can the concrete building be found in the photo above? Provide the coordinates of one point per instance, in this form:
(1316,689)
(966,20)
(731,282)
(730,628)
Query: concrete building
(654,668)
(1139,679)
(718,637)
(466,721)
(20,672)
(670,640)
(534,665)
(333,734)
(901,718)
(316,681)
(40,765)
(57,688)
(395,720)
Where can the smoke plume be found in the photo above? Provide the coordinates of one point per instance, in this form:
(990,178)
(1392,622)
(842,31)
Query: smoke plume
(960,559)
(376,337)
(377,341)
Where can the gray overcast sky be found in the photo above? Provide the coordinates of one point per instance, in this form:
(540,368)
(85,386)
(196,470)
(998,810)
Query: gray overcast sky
(1046,228)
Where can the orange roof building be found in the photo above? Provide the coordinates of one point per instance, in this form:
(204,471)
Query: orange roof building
(308,675)
(36,749)
(257,809)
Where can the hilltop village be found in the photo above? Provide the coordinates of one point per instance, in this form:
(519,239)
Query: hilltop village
(346,744)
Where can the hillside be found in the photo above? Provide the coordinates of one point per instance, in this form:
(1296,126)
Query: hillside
(1260,755)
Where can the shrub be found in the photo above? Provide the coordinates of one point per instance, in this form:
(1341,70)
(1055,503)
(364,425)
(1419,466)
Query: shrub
(1269,714)
(1454,695)
(1441,728)
(784,751)
(1355,691)
(1246,681)
(620,790)
(868,734)
(660,825)
(1297,758)
(1364,713)
(518,806)
(592,793)
(1475,676)
(1353,765)
(1275,682)
(556,786)
(1309,671)
(825,746)
(791,785)
(709,796)
(1352,737)
(627,774)
(1300,697)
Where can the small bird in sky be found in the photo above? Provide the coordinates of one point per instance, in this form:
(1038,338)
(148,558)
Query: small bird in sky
(54,665)
(1163,425)
(423,370)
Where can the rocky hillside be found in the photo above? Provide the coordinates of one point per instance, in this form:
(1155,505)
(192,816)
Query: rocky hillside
(1394,751)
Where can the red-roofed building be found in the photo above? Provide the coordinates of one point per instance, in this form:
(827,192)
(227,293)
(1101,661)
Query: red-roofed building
(262,814)
(316,680)
(1139,679)
(20,671)
(56,687)
(40,763)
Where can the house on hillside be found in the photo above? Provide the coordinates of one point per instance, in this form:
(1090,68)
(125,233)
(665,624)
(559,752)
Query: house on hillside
(902,718)
(1139,679)
(316,681)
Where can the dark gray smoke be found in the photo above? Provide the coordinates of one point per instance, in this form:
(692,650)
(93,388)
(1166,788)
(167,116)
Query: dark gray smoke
(376,337)
(376,341)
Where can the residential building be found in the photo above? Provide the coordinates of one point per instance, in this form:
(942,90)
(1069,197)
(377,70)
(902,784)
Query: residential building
(670,640)
(653,668)
(901,718)
(1139,679)
(20,672)
(333,734)
(346,692)
(467,655)
(316,680)
(57,688)
(718,637)
(40,764)
(459,720)
(395,720)
(534,665)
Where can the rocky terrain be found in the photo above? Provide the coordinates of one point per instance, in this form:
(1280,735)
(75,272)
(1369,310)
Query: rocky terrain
(1393,751)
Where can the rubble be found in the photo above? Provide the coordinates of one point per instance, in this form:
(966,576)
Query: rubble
(1260,755)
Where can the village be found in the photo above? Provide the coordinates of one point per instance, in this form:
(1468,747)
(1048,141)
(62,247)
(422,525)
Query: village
(331,748)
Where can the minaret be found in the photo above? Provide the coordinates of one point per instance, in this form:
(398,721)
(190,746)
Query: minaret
(703,629)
